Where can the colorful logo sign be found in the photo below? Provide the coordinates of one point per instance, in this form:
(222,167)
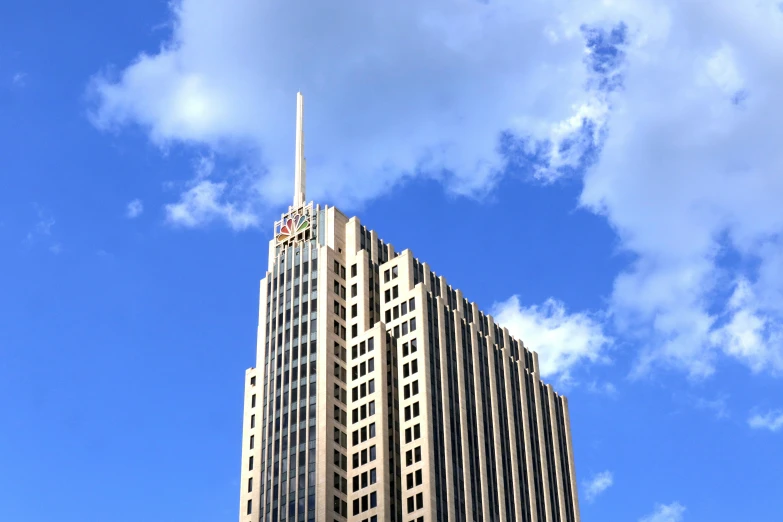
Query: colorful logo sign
(292,226)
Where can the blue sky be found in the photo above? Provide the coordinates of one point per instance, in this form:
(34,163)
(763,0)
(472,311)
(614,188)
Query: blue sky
(609,170)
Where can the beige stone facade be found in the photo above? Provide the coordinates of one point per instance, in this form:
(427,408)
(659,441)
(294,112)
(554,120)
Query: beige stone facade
(380,393)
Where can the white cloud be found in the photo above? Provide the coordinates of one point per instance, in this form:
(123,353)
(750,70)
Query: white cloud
(717,406)
(134,209)
(688,171)
(772,421)
(688,174)
(19,79)
(561,339)
(393,89)
(666,513)
(602,388)
(41,232)
(598,484)
(203,203)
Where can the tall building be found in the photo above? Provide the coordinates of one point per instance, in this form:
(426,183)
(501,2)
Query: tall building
(382,394)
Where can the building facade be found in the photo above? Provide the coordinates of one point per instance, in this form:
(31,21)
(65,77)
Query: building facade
(381,393)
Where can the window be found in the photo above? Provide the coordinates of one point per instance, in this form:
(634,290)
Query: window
(353,270)
(354,290)
(250,485)
(411,304)
(253,401)
(252,381)
(252,421)
(395,292)
(250,464)
(354,311)
(386,276)
(413,324)
(342,272)
(403,308)
(354,330)
(387,295)
(336,267)
(252,441)
(250,506)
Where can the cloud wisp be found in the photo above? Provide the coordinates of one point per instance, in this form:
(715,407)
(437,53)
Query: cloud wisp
(673,512)
(134,209)
(597,485)
(772,421)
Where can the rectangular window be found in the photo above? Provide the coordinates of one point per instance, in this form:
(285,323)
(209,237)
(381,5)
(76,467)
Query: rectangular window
(253,401)
(250,485)
(411,304)
(250,506)
(354,290)
(386,276)
(353,270)
(252,441)
(395,292)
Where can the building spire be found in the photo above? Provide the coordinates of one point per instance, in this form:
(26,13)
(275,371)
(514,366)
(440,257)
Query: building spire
(299,163)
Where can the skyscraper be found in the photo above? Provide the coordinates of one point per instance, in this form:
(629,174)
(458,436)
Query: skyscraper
(382,394)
